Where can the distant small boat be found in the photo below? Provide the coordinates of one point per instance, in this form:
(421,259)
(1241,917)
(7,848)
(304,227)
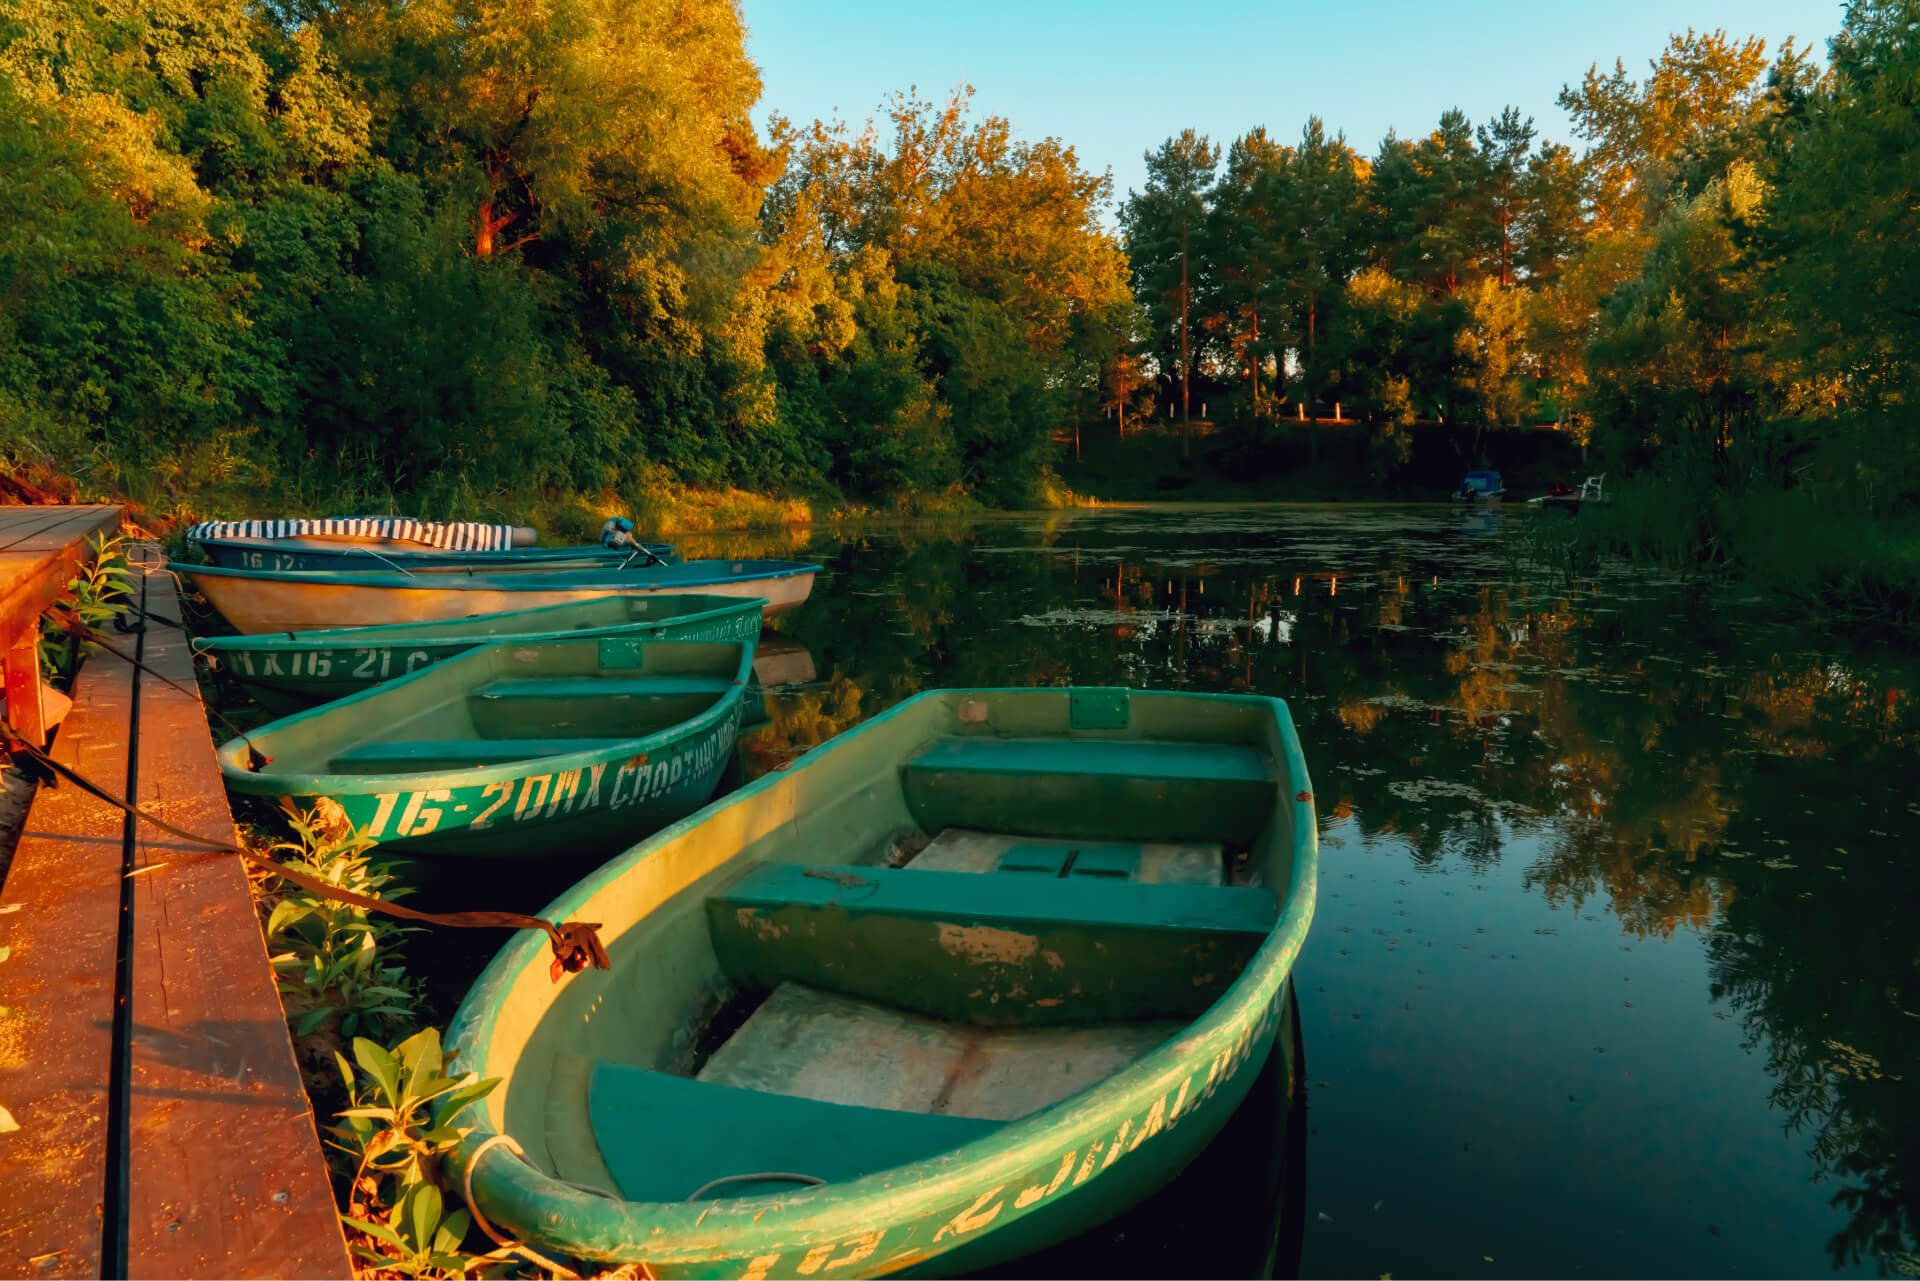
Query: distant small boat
(288,671)
(536,751)
(1480,487)
(255,600)
(1592,490)
(965,981)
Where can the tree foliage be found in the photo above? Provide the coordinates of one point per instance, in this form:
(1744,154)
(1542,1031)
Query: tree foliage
(440,253)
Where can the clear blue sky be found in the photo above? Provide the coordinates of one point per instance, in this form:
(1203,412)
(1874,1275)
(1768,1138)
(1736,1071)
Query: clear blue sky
(1114,77)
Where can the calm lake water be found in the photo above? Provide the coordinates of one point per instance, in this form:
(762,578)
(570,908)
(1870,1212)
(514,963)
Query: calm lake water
(1616,967)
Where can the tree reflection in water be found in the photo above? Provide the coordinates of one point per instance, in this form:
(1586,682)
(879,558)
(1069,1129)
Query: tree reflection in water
(1683,759)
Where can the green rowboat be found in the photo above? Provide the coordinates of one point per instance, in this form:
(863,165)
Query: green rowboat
(964,982)
(531,751)
(288,671)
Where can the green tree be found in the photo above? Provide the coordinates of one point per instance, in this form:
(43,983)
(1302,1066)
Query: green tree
(1164,225)
(1320,208)
(1700,87)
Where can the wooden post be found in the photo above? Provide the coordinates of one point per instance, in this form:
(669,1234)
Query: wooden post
(26,708)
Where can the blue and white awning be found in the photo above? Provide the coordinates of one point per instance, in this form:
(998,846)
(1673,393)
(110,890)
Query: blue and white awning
(460,536)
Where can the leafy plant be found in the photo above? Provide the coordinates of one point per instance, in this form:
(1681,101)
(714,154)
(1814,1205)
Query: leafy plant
(420,1239)
(94,597)
(335,964)
(402,1122)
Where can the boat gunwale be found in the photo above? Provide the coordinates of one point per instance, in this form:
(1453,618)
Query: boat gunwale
(551,579)
(232,754)
(523,1197)
(341,637)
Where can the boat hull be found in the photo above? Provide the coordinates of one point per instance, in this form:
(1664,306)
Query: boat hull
(561,806)
(286,673)
(258,601)
(316,555)
(1036,1180)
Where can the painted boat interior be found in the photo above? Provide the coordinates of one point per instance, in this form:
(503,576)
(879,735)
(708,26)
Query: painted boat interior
(508,703)
(980,904)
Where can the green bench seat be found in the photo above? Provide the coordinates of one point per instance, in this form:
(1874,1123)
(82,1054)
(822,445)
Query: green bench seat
(664,1136)
(598,687)
(999,950)
(417,756)
(1112,789)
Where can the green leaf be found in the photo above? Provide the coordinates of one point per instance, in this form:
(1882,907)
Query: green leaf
(423,1211)
(378,1231)
(380,1066)
(421,1055)
(453,1233)
(464,1097)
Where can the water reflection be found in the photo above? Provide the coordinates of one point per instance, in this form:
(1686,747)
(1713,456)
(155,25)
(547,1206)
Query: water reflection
(1733,791)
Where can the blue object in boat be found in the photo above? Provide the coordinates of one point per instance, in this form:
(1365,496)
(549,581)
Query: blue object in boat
(1481,484)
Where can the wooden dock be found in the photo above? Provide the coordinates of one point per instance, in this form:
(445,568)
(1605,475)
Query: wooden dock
(163,1128)
(40,547)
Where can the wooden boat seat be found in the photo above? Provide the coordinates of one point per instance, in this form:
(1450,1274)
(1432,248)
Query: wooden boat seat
(665,1136)
(597,687)
(1010,949)
(1123,789)
(960,849)
(423,755)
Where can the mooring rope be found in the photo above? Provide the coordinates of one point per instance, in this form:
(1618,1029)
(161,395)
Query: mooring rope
(576,944)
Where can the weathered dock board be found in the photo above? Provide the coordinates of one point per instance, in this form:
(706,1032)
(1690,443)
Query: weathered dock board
(226,1177)
(199,1156)
(60,916)
(39,549)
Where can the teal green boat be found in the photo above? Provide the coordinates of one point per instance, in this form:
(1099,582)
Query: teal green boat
(964,982)
(543,750)
(288,671)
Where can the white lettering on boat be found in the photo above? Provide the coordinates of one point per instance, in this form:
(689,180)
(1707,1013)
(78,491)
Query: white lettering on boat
(381,810)
(565,785)
(619,787)
(418,820)
(1039,1190)
(522,809)
(857,1249)
(973,1218)
(500,791)
(594,774)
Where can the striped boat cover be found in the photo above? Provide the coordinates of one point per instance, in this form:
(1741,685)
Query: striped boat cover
(460,536)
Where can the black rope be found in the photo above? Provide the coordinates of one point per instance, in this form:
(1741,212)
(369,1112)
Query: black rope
(75,626)
(576,945)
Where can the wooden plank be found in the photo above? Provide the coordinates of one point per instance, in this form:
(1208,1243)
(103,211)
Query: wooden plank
(226,1176)
(40,548)
(59,913)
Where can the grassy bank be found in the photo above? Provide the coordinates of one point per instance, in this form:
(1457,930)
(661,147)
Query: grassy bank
(167,501)
(1834,555)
